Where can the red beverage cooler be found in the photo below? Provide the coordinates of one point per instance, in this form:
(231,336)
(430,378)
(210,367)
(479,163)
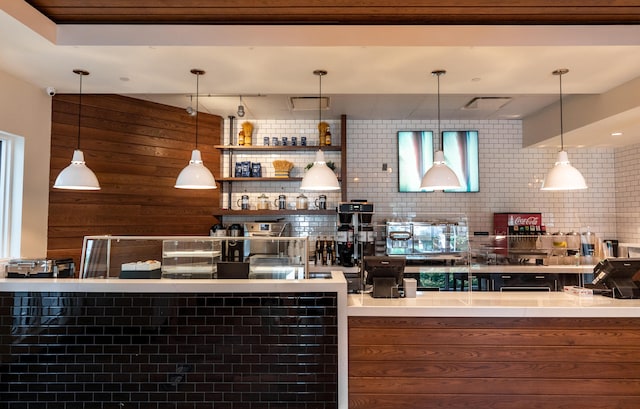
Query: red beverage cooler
(517,224)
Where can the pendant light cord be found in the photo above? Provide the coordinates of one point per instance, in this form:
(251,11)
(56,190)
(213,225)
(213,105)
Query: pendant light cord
(561,116)
(320,98)
(79,108)
(560,72)
(438,73)
(81,73)
(197,73)
(197,105)
(320,73)
(439,133)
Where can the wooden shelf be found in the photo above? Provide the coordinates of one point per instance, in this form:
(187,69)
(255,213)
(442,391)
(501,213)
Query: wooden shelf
(288,212)
(262,179)
(277,148)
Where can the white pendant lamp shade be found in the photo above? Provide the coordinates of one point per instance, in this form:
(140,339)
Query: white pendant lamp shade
(195,175)
(563,176)
(439,176)
(319,176)
(77,176)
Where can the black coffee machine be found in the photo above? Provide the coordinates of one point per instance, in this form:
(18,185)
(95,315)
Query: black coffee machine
(355,236)
(344,239)
(234,249)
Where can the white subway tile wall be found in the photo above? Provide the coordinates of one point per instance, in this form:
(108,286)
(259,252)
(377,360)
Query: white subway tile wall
(627,208)
(510,178)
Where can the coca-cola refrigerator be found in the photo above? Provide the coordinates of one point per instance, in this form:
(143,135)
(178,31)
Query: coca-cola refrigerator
(517,224)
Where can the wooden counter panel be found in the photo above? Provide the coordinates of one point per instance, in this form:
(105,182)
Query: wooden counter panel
(494,362)
(559,370)
(461,400)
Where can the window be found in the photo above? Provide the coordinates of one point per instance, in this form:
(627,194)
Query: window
(11,174)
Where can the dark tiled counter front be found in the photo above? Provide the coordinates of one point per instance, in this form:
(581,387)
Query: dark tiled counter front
(169,350)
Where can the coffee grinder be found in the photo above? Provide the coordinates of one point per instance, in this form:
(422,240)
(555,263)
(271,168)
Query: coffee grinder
(344,237)
(355,238)
(366,235)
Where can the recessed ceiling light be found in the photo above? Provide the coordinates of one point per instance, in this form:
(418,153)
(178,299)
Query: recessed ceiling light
(616,133)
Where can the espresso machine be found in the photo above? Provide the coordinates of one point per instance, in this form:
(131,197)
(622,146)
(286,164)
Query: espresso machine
(355,236)
(355,239)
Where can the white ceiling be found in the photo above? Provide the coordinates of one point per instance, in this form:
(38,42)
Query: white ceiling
(374,72)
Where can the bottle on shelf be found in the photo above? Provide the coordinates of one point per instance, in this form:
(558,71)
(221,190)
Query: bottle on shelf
(327,137)
(322,133)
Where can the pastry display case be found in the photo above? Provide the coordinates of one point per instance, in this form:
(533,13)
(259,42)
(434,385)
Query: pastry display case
(184,257)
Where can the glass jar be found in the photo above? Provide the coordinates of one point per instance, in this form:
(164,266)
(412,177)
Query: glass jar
(302,203)
(263,202)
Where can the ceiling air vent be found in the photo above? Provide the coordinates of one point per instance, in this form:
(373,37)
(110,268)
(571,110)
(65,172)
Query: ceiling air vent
(487,103)
(308,103)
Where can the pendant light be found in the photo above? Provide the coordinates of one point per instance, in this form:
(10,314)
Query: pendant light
(563,176)
(319,176)
(196,175)
(240,108)
(77,176)
(439,176)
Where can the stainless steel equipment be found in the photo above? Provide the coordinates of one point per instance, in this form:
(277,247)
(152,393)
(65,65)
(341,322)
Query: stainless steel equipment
(427,239)
(265,229)
(40,268)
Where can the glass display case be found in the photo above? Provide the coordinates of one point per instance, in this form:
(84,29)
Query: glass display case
(435,246)
(428,237)
(183,257)
(196,258)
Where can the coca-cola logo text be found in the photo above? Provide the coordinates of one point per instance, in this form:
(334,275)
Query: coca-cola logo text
(526,221)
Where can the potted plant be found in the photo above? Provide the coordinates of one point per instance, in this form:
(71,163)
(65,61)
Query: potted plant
(329,163)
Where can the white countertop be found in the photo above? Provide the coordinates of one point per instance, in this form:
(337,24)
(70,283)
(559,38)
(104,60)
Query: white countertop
(337,282)
(492,304)
(502,268)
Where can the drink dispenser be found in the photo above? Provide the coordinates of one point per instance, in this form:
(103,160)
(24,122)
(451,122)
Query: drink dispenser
(590,246)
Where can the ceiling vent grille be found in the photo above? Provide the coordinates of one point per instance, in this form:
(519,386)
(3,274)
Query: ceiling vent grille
(486,103)
(309,103)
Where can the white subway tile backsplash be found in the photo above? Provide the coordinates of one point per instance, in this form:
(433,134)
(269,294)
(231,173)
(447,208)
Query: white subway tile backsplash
(510,177)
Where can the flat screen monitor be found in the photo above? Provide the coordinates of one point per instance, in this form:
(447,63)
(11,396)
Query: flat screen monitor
(620,275)
(415,157)
(232,269)
(385,274)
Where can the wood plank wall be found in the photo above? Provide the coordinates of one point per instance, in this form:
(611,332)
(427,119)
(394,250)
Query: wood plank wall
(137,149)
(506,363)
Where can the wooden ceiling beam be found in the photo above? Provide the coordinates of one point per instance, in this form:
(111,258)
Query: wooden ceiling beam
(482,12)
